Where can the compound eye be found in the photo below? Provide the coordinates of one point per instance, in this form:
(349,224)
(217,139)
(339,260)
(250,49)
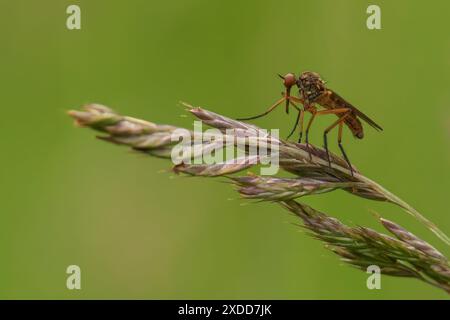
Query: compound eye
(289,80)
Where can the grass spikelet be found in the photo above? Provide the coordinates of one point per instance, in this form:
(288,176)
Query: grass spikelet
(400,254)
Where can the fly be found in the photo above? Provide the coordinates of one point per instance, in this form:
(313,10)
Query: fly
(313,92)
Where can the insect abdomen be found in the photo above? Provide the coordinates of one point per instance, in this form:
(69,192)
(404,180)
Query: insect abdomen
(333,101)
(355,126)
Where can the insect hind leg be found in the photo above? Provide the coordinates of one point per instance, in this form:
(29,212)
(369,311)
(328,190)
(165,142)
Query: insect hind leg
(342,148)
(327,130)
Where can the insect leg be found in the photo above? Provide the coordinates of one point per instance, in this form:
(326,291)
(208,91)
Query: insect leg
(299,100)
(333,111)
(276,104)
(342,148)
(327,130)
(314,112)
(299,115)
(318,113)
(302,116)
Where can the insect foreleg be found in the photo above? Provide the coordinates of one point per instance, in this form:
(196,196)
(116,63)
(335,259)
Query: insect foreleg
(299,100)
(276,104)
(299,117)
(302,116)
(314,112)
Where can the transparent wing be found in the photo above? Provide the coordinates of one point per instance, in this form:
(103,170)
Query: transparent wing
(357,112)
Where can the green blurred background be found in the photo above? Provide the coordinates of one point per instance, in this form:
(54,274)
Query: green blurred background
(138,232)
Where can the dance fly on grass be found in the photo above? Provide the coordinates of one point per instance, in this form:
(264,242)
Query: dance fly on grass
(312,91)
